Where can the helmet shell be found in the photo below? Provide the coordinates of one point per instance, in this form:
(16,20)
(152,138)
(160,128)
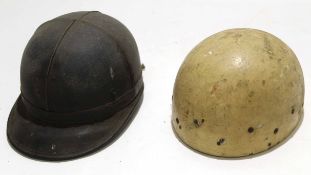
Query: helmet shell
(79,61)
(81,84)
(239,92)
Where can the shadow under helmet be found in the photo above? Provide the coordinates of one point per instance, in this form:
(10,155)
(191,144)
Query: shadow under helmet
(239,92)
(81,84)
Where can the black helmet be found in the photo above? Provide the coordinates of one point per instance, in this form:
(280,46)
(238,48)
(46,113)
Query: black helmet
(81,84)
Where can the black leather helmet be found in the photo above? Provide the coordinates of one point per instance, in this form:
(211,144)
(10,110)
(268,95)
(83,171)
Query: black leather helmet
(81,84)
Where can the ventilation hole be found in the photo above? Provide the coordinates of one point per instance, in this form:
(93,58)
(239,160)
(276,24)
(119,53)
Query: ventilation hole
(269,144)
(250,130)
(293,110)
(220,141)
(263,82)
(177,120)
(276,130)
(202,121)
(196,123)
(179,126)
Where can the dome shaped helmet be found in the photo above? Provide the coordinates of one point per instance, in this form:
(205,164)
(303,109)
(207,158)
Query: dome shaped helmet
(239,92)
(81,84)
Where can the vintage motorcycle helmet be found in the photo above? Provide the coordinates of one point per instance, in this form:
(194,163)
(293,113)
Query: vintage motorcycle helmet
(81,84)
(238,93)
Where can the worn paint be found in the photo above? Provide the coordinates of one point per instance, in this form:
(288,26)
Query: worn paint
(246,85)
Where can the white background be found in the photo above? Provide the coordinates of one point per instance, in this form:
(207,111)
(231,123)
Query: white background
(165,31)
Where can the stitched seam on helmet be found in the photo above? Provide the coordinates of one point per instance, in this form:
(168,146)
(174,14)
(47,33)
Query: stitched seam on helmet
(44,122)
(128,67)
(137,88)
(54,53)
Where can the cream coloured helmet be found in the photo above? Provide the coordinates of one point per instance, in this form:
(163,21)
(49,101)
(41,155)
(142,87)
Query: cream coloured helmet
(239,92)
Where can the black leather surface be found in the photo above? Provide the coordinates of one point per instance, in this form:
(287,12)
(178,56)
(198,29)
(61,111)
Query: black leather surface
(79,62)
(81,83)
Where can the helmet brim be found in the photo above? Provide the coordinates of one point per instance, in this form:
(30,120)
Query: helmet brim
(44,142)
